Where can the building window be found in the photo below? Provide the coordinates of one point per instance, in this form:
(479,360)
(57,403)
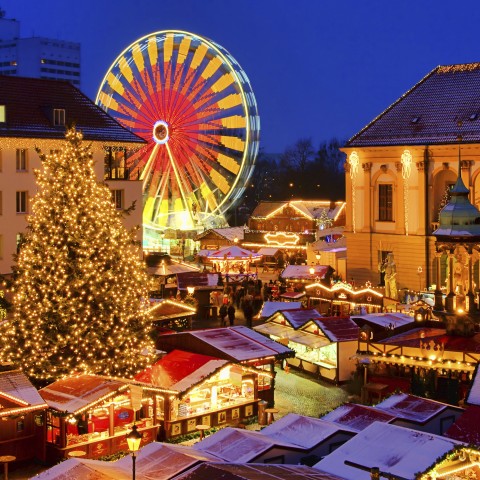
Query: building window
(21,204)
(117,197)
(58,117)
(385,203)
(21,160)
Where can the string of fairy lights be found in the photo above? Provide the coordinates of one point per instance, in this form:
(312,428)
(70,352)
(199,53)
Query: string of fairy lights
(80,292)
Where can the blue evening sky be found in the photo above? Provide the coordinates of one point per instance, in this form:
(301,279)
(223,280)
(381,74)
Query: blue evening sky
(319,68)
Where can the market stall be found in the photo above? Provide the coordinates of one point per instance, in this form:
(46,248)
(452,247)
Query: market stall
(172,315)
(208,390)
(93,414)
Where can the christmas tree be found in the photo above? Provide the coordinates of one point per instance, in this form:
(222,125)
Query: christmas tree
(80,289)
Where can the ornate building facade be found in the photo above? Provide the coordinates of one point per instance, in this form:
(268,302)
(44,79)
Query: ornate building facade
(400,171)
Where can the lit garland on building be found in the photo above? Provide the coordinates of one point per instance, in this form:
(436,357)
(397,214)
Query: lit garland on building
(80,291)
(354,161)
(406,170)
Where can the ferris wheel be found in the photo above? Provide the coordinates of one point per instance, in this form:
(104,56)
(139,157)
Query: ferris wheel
(193,104)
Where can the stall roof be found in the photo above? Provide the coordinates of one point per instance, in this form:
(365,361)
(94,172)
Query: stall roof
(338,329)
(306,432)
(400,451)
(357,417)
(234,343)
(465,429)
(412,408)
(299,317)
(180,370)
(268,251)
(473,396)
(155,461)
(302,272)
(229,233)
(15,386)
(256,471)
(243,446)
(386,319)
(74,393)
(164,309)
(269,308)
(233,252)
(172,268)
(197,279)
(298,336)
(292,295)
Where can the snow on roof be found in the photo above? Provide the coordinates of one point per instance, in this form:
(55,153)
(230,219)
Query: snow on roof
(258,471)
(197,279)
(302,272)
(298,336)
(75,469)
(465,429)
(230,233)
(473,396)
(20,391)
(233,252)
(268,251)
(299,317)
(240,343)
(338,329)
(180,370)
(357,417)
(71,394)
(164,269)
(243,446)
(292,295)
(269,308)
(306,432)
(412,408)
(396,450)
(386,319)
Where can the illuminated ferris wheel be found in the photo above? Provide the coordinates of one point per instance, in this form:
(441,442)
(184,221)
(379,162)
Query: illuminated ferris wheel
(193,104)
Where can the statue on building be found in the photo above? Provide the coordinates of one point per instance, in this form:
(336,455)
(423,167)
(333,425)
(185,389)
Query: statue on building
(389,269)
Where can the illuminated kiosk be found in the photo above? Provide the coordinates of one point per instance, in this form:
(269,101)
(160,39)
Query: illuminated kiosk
(194,105)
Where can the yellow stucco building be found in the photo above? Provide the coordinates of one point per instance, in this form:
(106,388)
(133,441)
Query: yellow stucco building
(399,171)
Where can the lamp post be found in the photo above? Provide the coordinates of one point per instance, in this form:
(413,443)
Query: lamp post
(133,439)
(419,271)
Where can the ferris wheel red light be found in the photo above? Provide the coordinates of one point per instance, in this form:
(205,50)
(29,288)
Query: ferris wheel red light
(191,102)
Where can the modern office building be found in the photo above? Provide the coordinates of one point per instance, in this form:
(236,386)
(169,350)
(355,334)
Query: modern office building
(37,57)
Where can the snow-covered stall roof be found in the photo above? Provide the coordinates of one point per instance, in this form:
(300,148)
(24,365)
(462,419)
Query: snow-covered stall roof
(465,429)
(297,317)
(197,279)
(268,251)
(16,387)
(396,450)
(258,471)
(71,394)
(412,408)
(157,461)
(386,319)
(302,272)
(243,446)
(234,252)
(180,370)
(172,268)
(240,343)
(306,432)
(298,336)
(269,308)
(338,329)
(356,417)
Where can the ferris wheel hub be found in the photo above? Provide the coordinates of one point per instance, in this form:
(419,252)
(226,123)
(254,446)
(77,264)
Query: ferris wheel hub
(160,132)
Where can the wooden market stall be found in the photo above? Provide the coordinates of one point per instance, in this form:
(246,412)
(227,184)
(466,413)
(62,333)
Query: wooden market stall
(323,345)
(93,414)
(208,391)
(172,315)
(342,299)
(22,418)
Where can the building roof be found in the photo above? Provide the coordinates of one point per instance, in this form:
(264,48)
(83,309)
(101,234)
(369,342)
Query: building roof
(233,252)
(233,343)
(429,112)
(229,233)
(299,317)
(197,279)
(78,392)
(242,446)
(473,395)
(283,332)
(269,308)
(412,408)
(165,309)
(16,392)
(338,329)
(172,268)
(29,104)
(256,471)
(357,417)
(399,451)
(312,209)
(302,272)
(386,319)
(180,370)
(306,432)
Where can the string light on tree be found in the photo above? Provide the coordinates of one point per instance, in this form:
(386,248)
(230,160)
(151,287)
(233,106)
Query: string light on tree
(80,289)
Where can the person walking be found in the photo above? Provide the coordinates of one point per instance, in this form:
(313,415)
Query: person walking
(231,314)
(223,315)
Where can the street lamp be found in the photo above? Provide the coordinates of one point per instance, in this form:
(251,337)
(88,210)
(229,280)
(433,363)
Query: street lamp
(133,439)
(318,256)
